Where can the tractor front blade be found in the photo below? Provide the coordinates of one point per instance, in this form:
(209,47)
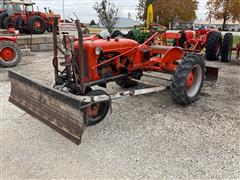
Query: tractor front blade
(211,73)
(58,110)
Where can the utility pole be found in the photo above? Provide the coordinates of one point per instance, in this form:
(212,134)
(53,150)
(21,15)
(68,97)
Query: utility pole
(63,6)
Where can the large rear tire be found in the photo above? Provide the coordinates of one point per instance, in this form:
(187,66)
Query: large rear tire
(96,112)
(19,25)
(6,22)
(3,15)
(117,33)
(226,53)
(10,54)
(188,79)
(36,25)
(213,46)
(130,35)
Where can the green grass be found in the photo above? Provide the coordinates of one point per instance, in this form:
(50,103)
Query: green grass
(236,40)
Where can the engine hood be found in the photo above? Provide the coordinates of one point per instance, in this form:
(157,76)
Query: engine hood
(115,44)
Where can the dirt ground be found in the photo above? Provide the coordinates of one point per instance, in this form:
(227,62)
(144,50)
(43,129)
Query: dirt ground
(146,137)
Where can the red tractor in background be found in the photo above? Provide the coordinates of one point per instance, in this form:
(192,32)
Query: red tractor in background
(194,41)
(209,39)
(22,16)
(10,53)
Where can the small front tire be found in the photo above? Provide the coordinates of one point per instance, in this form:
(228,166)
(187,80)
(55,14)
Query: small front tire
(128,83)
(96,112)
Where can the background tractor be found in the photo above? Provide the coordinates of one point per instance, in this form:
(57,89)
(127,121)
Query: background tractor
(216,47)
(23,17)
(73,104)
(139,33)
(10,53)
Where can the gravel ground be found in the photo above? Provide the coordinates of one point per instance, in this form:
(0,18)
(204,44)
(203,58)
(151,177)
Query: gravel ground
(146,137)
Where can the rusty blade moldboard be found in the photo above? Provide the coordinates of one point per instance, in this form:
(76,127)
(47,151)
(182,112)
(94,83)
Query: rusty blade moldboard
(58,110)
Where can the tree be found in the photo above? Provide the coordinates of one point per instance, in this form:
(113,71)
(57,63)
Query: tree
(182,9)
(224,10)
(92,23)
(108,14)
(141,7)
(166,11)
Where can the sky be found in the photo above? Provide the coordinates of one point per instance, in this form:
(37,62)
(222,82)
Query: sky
(84,8)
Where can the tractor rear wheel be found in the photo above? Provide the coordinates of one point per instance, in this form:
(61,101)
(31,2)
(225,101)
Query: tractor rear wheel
(188,79)
(3,15)
(10,54)
(6,22)
(117,33)
(213,46)
(36,25)
(96,112)
(19,24)
(130,35)
(86,32)
(226,53)
(49,29)
(128,83)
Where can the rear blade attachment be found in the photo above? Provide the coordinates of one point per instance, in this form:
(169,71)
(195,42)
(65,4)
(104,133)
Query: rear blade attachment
(211,73)
(58,110)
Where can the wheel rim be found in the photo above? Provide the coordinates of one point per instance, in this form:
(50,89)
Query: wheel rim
(8,54)
(37,25)
(94,112)
(194,81)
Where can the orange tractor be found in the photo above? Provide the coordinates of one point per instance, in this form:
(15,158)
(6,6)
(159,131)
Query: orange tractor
(72,104)
(10,53)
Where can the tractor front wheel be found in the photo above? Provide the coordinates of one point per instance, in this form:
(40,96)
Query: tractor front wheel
(49,29)
(95,112)
(128,83)
(36,25)
(188,79)
(10,54)
(226,54)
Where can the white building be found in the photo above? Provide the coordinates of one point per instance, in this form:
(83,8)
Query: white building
(230,26)
(125,23)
